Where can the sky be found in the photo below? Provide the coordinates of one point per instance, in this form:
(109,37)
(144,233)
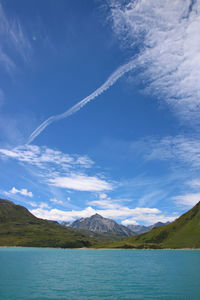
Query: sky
(100,108)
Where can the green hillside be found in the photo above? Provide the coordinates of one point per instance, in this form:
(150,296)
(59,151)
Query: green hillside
(18,227)
(184,232)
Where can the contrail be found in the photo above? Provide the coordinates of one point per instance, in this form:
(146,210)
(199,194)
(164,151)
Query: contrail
(105,86)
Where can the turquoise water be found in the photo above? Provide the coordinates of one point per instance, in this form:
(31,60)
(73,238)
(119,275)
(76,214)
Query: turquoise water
(28,273)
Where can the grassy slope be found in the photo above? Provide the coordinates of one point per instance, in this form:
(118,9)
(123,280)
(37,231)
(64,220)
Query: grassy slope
(182,233)
(18,227)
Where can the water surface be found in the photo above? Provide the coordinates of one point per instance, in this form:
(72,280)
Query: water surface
(33,273)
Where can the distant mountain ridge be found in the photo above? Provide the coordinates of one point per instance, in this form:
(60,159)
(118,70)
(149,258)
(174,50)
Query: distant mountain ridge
(139,229)
(97,223)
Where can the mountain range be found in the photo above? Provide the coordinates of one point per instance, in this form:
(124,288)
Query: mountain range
(139,229)
(97,223)
(18,227)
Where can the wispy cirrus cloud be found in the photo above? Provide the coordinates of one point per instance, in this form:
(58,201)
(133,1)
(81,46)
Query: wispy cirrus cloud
(182,149)
(187,200)
(13,41)
(103,201)
(107,203)
(164,37)
(15,51)
(41,156)
(1,97)
(195,183)
(55,168)
(165,43)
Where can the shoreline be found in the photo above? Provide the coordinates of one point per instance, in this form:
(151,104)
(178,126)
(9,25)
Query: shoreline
(115,249)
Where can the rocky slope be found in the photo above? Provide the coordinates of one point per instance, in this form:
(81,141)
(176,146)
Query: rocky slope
(139,229)
(97,223)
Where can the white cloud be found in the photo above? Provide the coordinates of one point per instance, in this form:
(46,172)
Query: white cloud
(164,37)
(44,205)
(188,200)
(23,192)
(60,215)
(81,182)
(149,219)
(124,212)
(129,222)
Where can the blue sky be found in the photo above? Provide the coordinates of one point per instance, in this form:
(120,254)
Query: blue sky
(99,108)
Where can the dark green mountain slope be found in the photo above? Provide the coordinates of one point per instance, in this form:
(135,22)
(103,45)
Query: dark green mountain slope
(184,232)
(18,227)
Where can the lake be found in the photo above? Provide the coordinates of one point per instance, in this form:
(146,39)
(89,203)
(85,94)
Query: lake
(33,273)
